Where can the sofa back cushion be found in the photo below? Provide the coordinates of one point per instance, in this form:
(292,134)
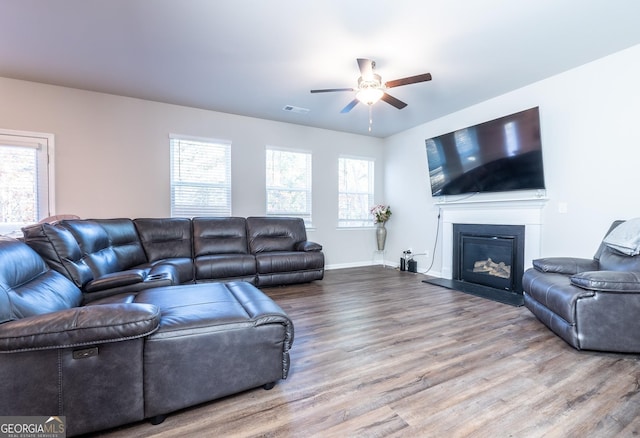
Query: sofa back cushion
(124,241)
(267,234)
(28,286)
(165,238)
(94,244)
(57,246)
(219,235)
(611,260)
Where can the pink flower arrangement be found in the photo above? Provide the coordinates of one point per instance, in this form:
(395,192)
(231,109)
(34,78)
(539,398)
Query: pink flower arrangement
(381,213)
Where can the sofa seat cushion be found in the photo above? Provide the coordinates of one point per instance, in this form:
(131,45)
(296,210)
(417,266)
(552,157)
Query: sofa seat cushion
(180,269)
(288,261)
(221,266)
(555,292)
(124,297)
(190,307)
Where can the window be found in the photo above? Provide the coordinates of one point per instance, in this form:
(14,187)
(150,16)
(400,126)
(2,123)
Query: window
(200,177)
(288,183)
(26,179)
(355,192)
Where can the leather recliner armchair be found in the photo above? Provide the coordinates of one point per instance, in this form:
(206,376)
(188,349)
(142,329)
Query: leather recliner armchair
(593,304)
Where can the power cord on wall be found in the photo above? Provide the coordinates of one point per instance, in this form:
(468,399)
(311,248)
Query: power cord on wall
(435,242)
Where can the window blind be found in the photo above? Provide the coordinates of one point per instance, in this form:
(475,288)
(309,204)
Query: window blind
(200,177)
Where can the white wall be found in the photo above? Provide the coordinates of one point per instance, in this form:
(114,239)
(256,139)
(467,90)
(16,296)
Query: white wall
(112,157)
(591,148)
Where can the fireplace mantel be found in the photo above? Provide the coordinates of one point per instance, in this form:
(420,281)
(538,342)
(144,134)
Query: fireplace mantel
(527,212)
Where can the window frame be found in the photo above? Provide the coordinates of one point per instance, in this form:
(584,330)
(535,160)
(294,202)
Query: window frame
(193,210)
(366,221)
(44,143)
(308,215)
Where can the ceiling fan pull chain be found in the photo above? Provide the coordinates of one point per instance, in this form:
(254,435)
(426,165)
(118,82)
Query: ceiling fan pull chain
(370,117)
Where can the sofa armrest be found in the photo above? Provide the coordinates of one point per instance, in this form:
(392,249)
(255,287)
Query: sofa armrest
(156,276)
(565,265)
(79,326)
(116,279)
(607,281)
(308,246)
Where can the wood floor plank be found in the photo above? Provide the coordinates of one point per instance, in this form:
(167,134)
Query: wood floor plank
(378,353)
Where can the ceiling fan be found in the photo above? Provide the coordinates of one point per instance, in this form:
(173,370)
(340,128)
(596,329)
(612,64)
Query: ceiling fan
(371,89)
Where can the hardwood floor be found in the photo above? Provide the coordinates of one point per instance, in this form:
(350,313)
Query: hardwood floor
(379,353)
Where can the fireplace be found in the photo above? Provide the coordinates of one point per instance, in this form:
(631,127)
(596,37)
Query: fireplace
(522,210)
(488,261)
(489,255)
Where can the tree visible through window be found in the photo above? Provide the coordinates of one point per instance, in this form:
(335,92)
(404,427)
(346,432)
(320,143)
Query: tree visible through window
(200,177)
(288,183)
(24,179)
(355,192)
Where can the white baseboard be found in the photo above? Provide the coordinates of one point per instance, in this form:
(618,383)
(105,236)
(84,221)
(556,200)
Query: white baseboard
(360,264)
(388,264)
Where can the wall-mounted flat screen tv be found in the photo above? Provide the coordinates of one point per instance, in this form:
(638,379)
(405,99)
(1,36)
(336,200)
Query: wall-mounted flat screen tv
(500,155)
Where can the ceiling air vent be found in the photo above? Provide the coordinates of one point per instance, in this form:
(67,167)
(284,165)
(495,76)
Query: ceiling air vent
(295,109)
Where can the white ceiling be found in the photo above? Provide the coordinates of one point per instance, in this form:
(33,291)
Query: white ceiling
(253,57)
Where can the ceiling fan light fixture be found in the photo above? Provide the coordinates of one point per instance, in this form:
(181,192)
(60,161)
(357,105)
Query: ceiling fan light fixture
(369,96)
(370,90)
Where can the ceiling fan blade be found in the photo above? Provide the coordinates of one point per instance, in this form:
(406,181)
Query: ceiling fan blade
(330,90)
(410,80)
(349,106)
(393,101)
(366,68)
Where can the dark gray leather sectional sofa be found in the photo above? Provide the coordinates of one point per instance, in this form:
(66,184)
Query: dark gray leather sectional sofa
(593,304)
(139,318)
(104,256)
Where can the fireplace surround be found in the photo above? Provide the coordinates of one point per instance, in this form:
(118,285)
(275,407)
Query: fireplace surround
(523,212)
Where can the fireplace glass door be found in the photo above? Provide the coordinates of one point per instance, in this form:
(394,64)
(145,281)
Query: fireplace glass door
(489,255)
(488,261)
